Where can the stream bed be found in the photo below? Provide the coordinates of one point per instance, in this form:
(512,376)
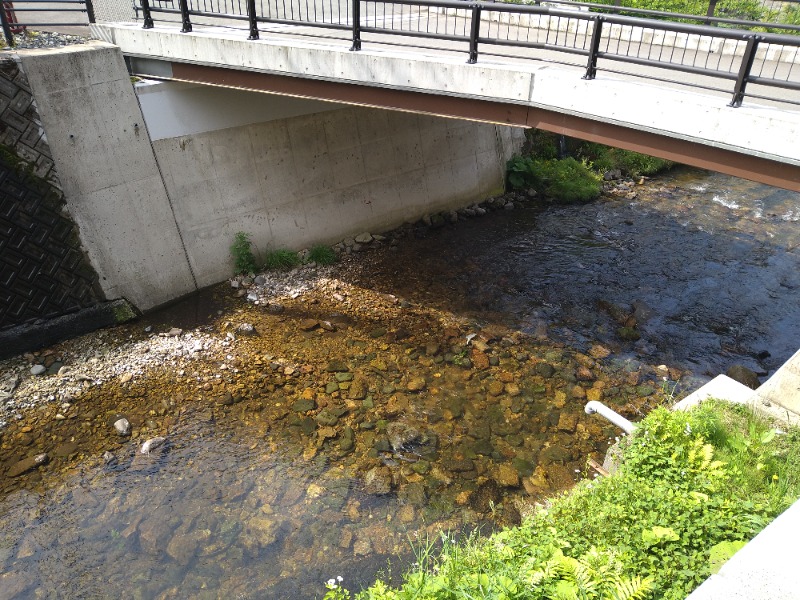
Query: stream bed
(322,423)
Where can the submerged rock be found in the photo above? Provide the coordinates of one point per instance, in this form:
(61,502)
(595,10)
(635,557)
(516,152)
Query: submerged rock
(378,481)
(744,376)
(27,464)
(152,444)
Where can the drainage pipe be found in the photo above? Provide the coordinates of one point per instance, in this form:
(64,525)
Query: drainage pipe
(617,419)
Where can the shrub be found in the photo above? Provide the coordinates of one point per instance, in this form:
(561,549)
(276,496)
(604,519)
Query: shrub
(671,515)
(631,164)
(566,180)
(281,260)
(322,255)
(243,260)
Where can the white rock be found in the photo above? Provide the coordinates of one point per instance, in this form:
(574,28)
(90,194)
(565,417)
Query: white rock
(122,426)
(151,445)
(38,370)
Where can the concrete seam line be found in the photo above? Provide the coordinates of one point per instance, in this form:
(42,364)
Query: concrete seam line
(500,151)
(166,192)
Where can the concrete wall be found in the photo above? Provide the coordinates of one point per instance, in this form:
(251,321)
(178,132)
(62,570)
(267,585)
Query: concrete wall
(318,177)
(108,172)
(159,188)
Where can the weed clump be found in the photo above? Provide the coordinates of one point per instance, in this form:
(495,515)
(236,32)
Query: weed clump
(281,260)
(566,180)
(244,262)
(322,255)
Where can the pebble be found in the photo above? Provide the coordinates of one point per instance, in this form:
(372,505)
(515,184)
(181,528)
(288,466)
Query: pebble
(122,426)
(38,370)
(151,445)
(417,384)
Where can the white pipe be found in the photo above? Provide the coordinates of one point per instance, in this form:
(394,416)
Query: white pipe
(617,419)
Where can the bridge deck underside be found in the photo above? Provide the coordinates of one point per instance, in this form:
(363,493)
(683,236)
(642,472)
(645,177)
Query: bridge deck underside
(692,153)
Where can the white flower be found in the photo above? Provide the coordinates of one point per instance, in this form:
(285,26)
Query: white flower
(331,582)
(339,578)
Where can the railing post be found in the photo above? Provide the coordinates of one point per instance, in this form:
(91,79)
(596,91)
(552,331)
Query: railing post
(187,24)
(744,70)
(147,17)
(712,8)
(251,14)
(90,11)
(6,29)
(597,33)
(475,31)
(356,26)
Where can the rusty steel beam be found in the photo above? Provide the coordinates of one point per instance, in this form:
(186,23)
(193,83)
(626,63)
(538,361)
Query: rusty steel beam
(754,168)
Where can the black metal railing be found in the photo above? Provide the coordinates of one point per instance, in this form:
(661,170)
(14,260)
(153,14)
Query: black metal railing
(14,17)
(741,57)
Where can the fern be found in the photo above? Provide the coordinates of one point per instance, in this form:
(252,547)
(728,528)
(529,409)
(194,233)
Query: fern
(634,588)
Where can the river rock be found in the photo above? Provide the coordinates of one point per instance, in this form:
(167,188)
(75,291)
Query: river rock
(401,435)
(363,238)
(505,475)
(183,547)
(337,366)
(122,426)
(326,418)
(485,497)
(744,376)
(397,404)
(496,388)
(151,445)
(27,464)
(567,422)
(458,465)
(629,334)
(304,405)
(246,329)
(308,324)
(378,481)
(154,534)
(417,384)
(66,449)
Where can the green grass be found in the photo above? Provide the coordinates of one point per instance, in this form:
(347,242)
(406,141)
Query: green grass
(567,180)
(281,260)
(693,487)
(322,255)
(632,164)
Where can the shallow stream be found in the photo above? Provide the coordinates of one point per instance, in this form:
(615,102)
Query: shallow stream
(434,384)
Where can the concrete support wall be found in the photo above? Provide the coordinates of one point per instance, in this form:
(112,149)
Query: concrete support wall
(317,178)
(160,187)
(108,172)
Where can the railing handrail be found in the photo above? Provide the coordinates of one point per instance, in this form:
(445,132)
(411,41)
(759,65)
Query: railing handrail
(84,6)
(597,21)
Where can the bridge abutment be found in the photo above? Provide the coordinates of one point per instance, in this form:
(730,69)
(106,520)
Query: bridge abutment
(159,178)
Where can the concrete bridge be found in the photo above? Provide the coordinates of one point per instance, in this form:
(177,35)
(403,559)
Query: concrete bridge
(547,69)
(286,136)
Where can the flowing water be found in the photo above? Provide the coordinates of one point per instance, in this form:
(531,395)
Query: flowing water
(433,385)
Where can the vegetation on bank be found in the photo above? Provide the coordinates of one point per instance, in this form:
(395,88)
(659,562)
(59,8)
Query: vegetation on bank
(572,171)
(244,261)
(784,13)
(692,489)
